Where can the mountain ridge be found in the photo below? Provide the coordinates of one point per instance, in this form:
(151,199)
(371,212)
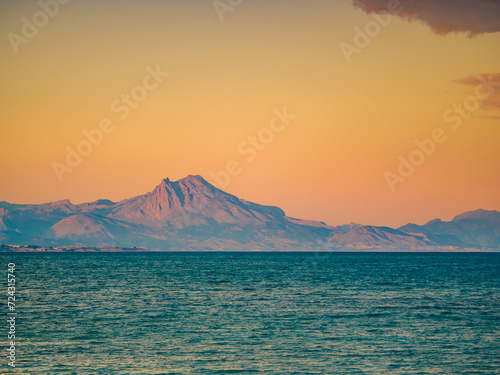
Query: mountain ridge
(192,214)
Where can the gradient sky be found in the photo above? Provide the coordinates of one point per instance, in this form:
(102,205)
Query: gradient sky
(226,77)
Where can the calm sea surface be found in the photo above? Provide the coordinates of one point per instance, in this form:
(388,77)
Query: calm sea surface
(254,313)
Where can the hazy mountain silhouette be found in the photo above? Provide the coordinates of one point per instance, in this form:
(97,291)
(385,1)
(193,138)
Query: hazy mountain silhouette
(474,228)
(192,214)
(368,236)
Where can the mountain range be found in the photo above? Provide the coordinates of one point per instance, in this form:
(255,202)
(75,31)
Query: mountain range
(192,214)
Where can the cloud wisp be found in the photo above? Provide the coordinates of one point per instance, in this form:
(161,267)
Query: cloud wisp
(473,17)
(492,84)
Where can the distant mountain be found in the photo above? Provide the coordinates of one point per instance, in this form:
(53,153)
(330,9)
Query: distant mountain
(192,214)
(193,201)
(470,229)
(186,214)
(371,237)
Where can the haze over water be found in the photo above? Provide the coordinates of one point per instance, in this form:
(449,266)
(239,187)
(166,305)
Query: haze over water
(270,313)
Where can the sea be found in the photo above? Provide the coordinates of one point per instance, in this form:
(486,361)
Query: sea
(252,313)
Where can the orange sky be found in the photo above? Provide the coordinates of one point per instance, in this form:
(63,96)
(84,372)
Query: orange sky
(226,78)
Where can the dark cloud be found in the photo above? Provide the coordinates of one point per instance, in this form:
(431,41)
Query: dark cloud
(488,86)
(443,16)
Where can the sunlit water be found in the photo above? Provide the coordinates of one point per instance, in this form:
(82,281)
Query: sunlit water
(266,313)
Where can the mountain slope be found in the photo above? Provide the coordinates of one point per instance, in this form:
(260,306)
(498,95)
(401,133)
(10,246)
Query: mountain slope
(192,214)
(371,237)
(193,201)
(95,230)
(470,229)
(186,214)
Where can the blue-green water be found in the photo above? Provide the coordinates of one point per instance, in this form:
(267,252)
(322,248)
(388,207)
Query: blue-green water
(268,313)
